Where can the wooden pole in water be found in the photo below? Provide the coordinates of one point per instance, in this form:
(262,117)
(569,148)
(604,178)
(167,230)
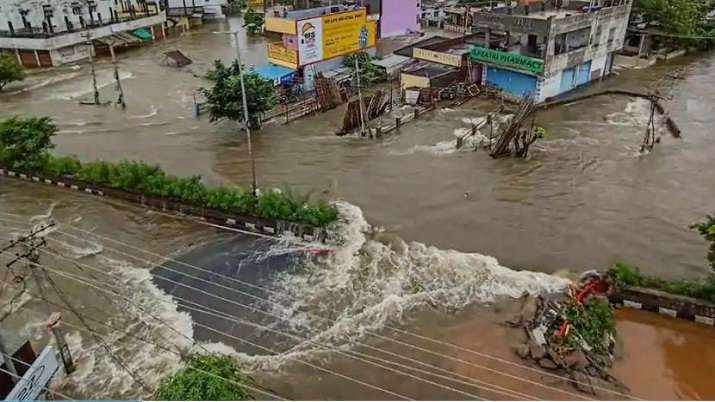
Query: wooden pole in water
(362,115)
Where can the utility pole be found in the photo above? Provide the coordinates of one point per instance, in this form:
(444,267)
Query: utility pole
(362,112)
(91,64)
(254,183)
(32,256)
(7,357)
(120,99)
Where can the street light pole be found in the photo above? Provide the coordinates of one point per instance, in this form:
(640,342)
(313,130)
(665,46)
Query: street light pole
(254,184)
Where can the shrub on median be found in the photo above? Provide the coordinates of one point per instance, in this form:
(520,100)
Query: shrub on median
(25,145)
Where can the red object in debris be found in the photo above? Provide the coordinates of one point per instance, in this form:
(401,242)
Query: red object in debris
(585,291)
(563,329)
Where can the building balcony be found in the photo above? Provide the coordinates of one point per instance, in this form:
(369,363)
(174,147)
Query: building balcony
(282,56)
(39,40)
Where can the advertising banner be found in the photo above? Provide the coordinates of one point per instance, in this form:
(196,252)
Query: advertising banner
(345,33)
(310,40)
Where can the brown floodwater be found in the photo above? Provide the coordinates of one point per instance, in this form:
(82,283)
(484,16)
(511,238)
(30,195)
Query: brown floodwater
(451,222)
(666,358)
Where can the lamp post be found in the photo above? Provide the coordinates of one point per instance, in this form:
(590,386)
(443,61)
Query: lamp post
(254,184)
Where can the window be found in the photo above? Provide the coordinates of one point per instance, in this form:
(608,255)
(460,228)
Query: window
(570,41)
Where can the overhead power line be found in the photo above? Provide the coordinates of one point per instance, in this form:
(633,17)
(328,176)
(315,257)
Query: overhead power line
(28,381)
(102,289)
(472,382)
(152,343)
(481,354)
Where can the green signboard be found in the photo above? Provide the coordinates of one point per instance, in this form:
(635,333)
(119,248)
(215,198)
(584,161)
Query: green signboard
(513,60)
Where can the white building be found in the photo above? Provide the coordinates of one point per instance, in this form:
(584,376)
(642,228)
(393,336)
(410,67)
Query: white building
(207,9)
(54,32)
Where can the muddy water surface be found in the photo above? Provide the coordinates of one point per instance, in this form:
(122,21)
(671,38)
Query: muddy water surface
(584,196)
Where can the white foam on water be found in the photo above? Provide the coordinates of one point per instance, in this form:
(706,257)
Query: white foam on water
(373,279)
(153,111)
(44,83)
(103,80)
(98,374)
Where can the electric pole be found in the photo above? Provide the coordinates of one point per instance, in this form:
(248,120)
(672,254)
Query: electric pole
(31,245)
(120,99)
(91,66)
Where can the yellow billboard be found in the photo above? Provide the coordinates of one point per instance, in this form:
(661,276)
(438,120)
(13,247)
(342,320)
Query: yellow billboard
(283,56)
(346,32)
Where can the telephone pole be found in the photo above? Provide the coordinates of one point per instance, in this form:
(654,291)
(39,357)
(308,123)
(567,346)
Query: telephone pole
(88,36)
(31,244)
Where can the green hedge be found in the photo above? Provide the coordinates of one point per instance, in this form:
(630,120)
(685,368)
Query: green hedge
(192,383)
(625,274)
(152,180)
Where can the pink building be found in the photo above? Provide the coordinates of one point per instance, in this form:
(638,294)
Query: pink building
(399,17)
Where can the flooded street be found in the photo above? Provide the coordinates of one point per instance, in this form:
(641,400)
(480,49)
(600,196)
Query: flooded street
(452,221)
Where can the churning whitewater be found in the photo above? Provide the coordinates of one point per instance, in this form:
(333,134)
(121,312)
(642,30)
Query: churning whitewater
(371,279)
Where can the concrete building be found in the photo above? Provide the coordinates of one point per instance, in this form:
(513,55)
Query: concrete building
(54,32)
(317,39)
(400,17)
(543,51)
(206,9)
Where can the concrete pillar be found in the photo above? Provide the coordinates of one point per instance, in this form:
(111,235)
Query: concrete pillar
(37,58)
(17,54)
(163,31)
(111,52)
(153,35)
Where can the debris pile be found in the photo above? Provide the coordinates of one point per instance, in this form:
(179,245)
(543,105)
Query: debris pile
(573,333)
(516,139)
(373,106)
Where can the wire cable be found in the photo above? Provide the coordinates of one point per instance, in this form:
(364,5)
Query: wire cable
(101,289)
(155,344)
(32,383)
(481,354)
(472,382)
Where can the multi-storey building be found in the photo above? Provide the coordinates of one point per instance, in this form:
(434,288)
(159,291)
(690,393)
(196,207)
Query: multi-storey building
(55,32)
(541,50)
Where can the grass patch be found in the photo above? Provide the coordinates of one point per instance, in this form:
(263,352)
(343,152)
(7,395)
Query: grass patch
(192,383)
(626,274)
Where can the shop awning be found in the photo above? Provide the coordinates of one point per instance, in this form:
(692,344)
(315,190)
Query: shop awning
(278,74)
(142,33)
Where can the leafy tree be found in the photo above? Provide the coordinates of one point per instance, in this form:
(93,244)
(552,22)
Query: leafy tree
(369,73)
(707,230)
(192,383)
(678,17)
(253,21)
(25,143)
(225,98)
(9,70)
